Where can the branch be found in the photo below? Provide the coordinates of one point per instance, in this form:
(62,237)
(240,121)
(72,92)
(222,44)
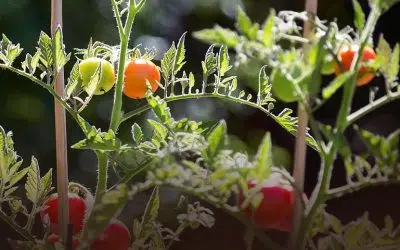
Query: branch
(355,116)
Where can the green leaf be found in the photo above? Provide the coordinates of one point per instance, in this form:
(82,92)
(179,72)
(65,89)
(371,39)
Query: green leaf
(16,177)
(179,60)
(74,85)
(37,188)
(393,69)
(384,5)
(359,16)
(150,214)
(338,82)
(263,159)
(46,50)
(31,62)
(9,51)
(218,35)
(137,133)
(167,62)
(159,129)
(289,123)
(209,64)
(245,26)
(335,223)
(216,140)
(60,57)
(223,61)
(268,34)
(97,140)
(161,110)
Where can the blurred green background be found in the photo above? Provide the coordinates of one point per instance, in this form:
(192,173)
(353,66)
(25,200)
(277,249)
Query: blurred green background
(27,110)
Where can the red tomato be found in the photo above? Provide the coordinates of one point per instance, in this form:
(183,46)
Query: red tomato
(136,73)
(275,210)
(115,236)
(346,57)
(77,212)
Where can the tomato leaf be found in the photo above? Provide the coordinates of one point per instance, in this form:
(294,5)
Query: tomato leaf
(218,35)
(167,62)
(216,141)
(223,61)
(209,64)
(60,57)
(179,59)
(46,50)
(73,85)
(137,133)
(9,51)
(245,26)
(338,82)
(359,16)
(268,32)
(263,160)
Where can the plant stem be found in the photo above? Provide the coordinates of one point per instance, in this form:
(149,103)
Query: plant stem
(355,116)
(101,176)
(61,133)
(125,35)
(300,147)
(319,195)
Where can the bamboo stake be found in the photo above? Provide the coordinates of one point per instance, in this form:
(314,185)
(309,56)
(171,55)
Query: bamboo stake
(61,134)
(301,147)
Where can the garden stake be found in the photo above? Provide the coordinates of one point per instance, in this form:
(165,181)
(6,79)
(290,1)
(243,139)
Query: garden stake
(301,147)
(61,138)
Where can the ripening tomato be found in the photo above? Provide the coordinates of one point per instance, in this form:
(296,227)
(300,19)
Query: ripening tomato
(346,57)
(136,73)
(115,236)
(77,212)
(88,67)
(275,209)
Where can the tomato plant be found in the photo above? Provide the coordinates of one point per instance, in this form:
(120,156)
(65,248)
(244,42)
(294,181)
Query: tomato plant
(198,159)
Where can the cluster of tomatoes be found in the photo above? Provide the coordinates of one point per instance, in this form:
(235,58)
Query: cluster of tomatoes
(115,236)
(136,73)
(282,86)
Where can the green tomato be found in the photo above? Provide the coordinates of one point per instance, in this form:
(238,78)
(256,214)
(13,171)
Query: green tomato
(88,67)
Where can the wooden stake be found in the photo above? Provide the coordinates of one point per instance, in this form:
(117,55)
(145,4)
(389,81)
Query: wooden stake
(61,134)
(301,147)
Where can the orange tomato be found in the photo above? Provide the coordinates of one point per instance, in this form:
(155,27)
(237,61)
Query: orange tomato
(346,56)
(136,73)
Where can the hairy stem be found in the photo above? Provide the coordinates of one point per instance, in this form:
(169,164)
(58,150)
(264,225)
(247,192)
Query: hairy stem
(319,195)
(125,35)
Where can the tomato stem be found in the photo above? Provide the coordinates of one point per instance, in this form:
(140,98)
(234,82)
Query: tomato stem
(320,193)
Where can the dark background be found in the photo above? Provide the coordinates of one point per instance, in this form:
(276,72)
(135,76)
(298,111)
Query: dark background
(27,110)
